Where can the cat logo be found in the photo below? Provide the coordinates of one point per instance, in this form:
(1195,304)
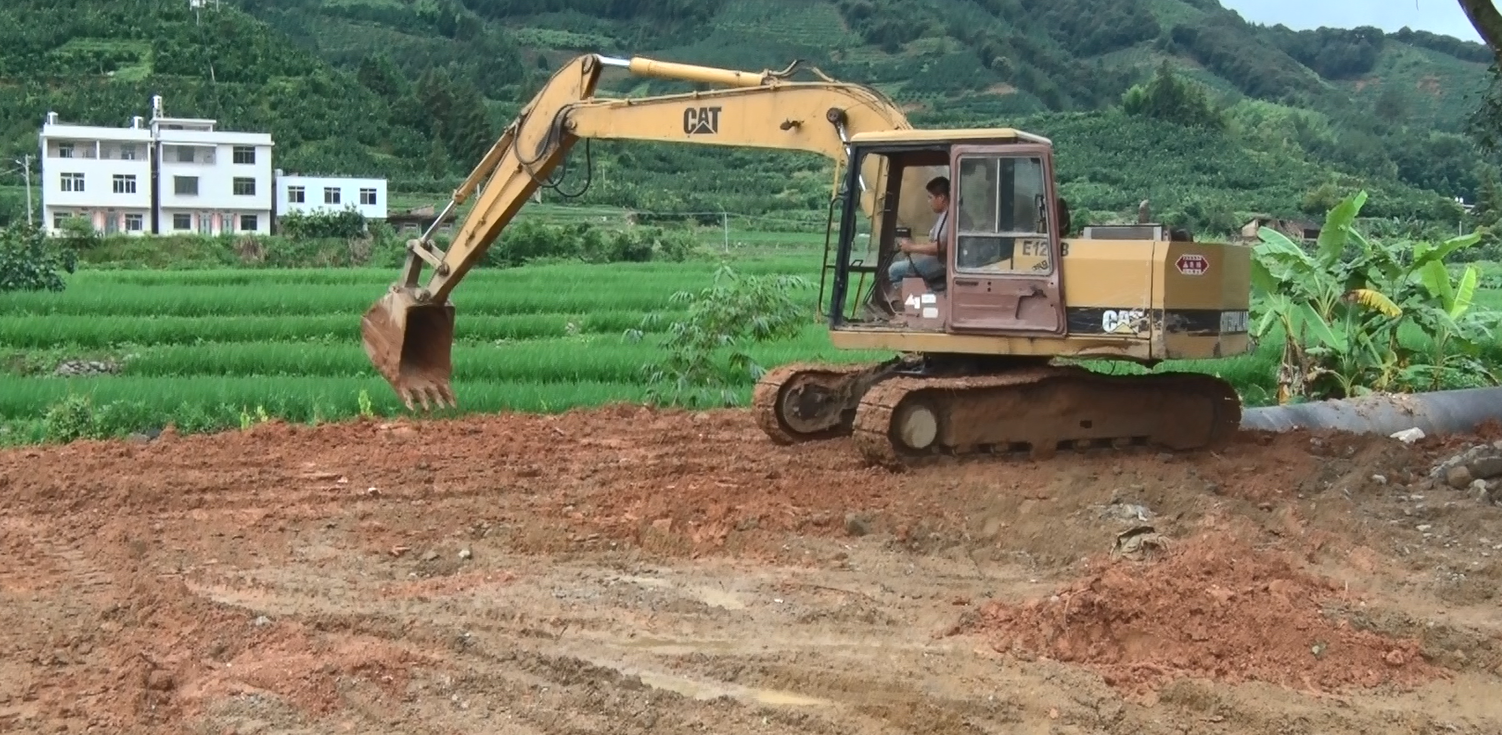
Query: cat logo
(1122,321)
(701,120)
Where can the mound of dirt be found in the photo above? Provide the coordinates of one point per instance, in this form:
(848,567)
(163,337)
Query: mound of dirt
(1211,607)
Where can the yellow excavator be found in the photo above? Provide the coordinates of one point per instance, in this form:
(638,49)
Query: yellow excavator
(978,343)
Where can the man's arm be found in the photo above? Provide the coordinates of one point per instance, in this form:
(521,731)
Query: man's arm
(934,247)
(921,248)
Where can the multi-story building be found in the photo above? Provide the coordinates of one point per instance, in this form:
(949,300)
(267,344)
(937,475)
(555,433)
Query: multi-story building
(296,193)
(177,175)
(100,174)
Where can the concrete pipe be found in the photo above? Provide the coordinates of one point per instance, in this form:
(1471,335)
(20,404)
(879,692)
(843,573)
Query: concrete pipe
(1442,412)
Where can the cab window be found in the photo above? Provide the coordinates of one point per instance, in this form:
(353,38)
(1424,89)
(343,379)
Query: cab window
(1002,215)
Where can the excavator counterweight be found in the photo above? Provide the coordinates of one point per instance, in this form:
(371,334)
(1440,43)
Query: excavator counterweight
(977,342)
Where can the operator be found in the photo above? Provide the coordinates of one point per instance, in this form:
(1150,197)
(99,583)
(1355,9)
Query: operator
(924,259)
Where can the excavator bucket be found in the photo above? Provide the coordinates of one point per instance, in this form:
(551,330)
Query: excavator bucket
(411,345)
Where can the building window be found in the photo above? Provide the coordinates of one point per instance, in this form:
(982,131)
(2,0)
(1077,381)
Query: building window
(127,153)
(125,183)
(245,187)
(134,222)
(64,150)
(182,221)
(248,222)
(296,195)
(368,196)
(330,195)
(184,154)
(185,185)
(245,154)
(72,182)
(58,219)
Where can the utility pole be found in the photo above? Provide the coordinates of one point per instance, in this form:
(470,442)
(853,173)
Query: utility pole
(26,166)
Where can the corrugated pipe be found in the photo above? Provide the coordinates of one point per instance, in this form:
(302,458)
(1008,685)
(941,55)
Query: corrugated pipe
(1441,412)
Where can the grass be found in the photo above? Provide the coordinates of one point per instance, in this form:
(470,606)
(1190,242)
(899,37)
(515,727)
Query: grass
(214,349)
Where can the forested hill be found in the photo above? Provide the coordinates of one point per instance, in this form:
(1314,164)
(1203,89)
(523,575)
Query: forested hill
(416,89)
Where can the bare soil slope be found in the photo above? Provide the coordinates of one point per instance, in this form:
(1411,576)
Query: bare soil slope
(627,570)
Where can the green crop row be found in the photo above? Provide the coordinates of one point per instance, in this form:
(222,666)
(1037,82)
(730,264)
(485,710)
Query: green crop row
(30,407)
(480,279)
(195,301)
(579,360)
(613,292)
(99,332)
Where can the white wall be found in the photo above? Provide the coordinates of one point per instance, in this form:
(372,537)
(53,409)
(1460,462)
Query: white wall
(349,189)
(216,201)
(96,155)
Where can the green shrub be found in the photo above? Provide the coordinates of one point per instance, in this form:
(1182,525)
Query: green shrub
(31,261)
(347,222)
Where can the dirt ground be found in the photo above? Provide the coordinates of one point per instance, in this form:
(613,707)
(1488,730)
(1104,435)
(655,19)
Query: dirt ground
(630,571)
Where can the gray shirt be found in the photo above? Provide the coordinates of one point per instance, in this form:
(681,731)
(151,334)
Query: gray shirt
(936,231)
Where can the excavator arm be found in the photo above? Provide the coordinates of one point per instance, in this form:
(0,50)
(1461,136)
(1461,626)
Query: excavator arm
(408,334)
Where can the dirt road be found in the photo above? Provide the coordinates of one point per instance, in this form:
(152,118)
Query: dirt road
(630,571)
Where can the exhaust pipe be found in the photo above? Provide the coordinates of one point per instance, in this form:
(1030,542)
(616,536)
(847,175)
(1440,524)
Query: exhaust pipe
(1440,412)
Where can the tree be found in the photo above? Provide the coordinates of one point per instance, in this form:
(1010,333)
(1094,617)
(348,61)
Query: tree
(1487,19)
(1486,124)
(1169,98)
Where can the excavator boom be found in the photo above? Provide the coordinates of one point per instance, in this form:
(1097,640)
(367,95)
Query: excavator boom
(408,334)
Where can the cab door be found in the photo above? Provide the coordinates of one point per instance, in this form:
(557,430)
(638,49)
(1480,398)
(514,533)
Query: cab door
(1004,246)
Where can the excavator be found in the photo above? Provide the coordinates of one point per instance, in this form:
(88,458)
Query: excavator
(990,353)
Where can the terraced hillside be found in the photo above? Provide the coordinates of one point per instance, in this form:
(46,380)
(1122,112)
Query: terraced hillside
(415,90)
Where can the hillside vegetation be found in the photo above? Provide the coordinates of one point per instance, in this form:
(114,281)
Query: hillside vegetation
(415,90)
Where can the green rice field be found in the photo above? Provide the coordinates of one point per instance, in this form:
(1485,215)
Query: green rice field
(214,349)
(209,349)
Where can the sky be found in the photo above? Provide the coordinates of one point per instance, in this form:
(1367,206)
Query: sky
(1436,16)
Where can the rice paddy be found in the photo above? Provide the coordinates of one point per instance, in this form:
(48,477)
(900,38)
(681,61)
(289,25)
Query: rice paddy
(213,349)
(206,349)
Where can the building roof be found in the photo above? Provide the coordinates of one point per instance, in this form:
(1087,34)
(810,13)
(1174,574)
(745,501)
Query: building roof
(67,131)
(1007,135)
(207,137)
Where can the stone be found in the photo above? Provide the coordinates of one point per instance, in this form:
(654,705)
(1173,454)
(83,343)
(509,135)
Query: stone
(1486,468)
(857,524)
(1458,477)
(1480,491)
(1408,436)
(160,681)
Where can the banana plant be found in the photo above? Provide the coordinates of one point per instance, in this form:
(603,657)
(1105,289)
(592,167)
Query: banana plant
(1310,296)
(1456,330)
(1343,309)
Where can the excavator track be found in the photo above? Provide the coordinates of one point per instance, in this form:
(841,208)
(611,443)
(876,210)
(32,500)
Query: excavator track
(804,402)
(908,420)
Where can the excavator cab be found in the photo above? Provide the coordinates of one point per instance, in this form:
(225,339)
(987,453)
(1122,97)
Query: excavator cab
(1000,246)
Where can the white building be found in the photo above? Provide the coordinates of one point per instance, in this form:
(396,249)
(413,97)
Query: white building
(311,194)
(179,175)
(100,174)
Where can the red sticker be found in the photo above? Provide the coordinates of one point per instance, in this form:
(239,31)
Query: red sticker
(1193,265)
